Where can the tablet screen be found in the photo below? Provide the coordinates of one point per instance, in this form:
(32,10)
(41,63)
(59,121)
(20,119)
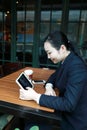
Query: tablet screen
(23,81)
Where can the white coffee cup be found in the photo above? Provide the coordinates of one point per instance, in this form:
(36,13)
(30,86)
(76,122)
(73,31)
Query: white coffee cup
(29,73)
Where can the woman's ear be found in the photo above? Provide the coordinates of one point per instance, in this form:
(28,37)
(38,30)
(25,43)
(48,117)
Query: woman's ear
(63,47)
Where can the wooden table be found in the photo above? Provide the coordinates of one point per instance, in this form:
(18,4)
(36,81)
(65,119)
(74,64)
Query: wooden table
(10,102)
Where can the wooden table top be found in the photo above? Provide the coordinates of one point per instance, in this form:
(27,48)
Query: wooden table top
(9,90)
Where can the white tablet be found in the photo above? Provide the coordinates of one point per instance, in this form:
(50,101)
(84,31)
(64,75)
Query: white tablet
(23,81)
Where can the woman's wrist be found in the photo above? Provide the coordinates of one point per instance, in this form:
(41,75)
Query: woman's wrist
(48,86)
(37,98)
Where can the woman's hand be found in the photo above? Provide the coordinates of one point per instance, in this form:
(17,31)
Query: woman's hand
(29,94)
(49,90)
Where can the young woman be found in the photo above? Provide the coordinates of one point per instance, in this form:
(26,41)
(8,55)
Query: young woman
(71,80)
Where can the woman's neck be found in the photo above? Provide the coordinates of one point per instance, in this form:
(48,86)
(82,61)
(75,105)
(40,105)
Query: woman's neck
(65,55)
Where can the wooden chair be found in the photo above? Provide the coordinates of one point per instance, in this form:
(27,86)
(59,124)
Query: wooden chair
(9,68)
(1,71)
(5,120)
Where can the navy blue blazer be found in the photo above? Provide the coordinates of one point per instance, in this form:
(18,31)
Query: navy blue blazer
(71,80)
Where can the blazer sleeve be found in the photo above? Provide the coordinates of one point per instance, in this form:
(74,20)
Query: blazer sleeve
(76,81)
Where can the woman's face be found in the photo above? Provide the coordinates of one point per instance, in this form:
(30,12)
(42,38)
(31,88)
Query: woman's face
(53,54)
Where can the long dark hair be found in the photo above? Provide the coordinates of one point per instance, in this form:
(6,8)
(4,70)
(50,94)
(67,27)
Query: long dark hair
(57,39)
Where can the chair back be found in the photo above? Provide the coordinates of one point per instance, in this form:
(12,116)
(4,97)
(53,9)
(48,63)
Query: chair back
(9,68)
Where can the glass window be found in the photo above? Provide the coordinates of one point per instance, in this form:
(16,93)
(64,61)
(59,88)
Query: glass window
(84,15)
(56,26)
(74,15)
(73,31)
(45,15)
(20,16)
(56,16)
(77,29)
(30,15)
(1,28)
(44,29)
(25,31)
(85,32)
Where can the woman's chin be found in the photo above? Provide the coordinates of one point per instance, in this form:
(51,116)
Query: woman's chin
(55,62)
